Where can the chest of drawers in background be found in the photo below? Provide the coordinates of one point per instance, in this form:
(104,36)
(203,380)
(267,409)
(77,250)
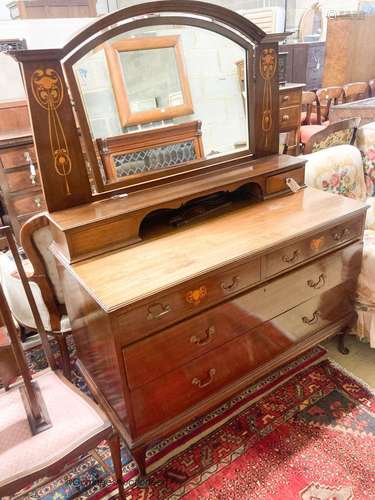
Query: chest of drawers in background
(290,108)
(21,193)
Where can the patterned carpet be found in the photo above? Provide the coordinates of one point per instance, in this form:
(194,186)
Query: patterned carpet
(307,431)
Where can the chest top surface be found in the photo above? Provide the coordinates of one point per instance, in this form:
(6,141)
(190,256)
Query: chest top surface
(122,277)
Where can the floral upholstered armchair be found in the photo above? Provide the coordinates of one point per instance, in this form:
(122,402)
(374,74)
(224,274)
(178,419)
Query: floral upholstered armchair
(339,170)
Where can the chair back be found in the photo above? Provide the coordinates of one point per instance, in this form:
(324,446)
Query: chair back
(308,99)
(355,91)
(327,97)
(342,132)
(36,239)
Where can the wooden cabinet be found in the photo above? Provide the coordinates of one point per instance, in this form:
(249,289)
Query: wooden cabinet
(290,108)
(305,63)
(39,9)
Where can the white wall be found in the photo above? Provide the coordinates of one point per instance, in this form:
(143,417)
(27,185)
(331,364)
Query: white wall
(39,34)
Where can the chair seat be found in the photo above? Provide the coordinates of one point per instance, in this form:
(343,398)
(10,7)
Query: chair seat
(313,118)
(308,130)
(75,419)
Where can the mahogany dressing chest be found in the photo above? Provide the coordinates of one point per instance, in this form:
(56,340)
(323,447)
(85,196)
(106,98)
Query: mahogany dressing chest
(185,278)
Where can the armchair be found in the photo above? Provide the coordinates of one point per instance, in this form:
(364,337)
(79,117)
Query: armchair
(339,170)
(44,282)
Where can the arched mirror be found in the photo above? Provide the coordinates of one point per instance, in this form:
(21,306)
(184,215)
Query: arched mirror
(157,100)
(311,24)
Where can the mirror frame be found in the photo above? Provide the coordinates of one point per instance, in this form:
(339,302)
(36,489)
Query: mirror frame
(65,176)
(127,117)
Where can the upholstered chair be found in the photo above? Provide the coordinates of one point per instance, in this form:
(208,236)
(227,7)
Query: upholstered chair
(366,144)
(43,277)
(339,170)
(339,133)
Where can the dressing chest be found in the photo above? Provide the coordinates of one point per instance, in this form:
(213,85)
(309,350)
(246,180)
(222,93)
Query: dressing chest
(185,283)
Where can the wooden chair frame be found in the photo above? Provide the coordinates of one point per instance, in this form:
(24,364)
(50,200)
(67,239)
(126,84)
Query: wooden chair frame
(351,123)
(355,91)
(308,100)
(41,278)
(326,97)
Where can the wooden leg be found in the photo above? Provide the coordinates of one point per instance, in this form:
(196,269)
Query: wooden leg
(139,455)
(114,445)
(341,337)
(65,358)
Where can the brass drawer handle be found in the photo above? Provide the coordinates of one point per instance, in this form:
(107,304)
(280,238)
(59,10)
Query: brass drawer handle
(210,332)
(285,118)
(340,235)
(204,383)
(37,202)
(290,259)
(313,320)
(317,284)
(156,311)
(232,286)
(285,98)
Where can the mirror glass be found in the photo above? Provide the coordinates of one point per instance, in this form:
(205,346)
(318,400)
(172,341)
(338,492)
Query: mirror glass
(161,98)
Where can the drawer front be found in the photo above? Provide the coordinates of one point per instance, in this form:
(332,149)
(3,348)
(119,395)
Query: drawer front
(151,358)
(294,254)
(16,157)
(175,392)
(30,203)
(289,118)
(179,304)
(18,181)
(290,98)
(316,313)
(277,183)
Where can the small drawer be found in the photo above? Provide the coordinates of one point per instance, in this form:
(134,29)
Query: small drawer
(290,98)
(18,181)
(293,255)
(289,118)
(161,353)
(180,389)
(181,303)
(277,183)
(29,203)
(17,156)
(317,313)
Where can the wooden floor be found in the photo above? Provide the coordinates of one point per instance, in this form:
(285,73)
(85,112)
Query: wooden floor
(360,362)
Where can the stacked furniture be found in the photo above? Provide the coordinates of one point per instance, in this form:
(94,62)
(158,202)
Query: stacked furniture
(305,63)
(21,192)
(174,309)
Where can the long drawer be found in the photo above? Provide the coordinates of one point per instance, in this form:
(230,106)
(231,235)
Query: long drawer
(300,251)
(29,203)
(176,305)
(171,394)
(289,118)
(13,157)
(148,359)
(20,180)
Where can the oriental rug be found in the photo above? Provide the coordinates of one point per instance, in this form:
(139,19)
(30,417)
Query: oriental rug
(306,431)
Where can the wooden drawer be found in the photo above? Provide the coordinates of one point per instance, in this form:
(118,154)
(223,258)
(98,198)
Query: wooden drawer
(29,203)
(151,358)
(289,118)
(185,301)
(277,183)
(16,156)
(316,313)
(173,393)
(18,181)
(290,98)
(291,255)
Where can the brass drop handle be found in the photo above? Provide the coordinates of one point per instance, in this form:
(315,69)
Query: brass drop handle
(285,98)
(204,383)
(285,118)
(31,166)
(290,259)
(317,284)
(340,235)
(210,332)
(313,320)
(37,202)
(156,311)
(231,286)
